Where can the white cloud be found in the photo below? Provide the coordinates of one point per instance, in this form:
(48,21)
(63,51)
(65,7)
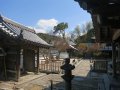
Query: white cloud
(40,30)
(44,25)
(47,23)
(30,27)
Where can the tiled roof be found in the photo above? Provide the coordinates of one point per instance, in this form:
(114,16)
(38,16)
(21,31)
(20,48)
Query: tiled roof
(15,29)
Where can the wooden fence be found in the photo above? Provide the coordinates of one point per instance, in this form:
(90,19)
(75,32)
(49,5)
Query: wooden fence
(100,65)
(50,67)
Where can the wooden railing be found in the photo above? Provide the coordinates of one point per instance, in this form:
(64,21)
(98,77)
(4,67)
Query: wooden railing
(50,67)
(100,65)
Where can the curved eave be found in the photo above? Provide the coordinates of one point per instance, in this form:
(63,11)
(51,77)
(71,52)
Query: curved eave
(20,33)
(35,43)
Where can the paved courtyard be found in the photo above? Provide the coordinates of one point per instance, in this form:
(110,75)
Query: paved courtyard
(81,81)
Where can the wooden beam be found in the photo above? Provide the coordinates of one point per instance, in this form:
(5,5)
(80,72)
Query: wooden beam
(107,10)
(113,22)
(93,1)
(105,7)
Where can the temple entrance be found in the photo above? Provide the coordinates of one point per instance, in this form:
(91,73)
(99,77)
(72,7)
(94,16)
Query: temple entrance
(28,56)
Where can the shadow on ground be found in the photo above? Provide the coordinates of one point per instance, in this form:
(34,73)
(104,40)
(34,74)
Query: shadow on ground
(79,83)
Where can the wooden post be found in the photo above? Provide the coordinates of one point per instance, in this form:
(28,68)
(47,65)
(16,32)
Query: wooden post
(38,60)
(51,84)
(94,65)
(18,64)
(18,55)
(5,68)
(53,66)
(119,51)
(106,66)
(114,59)
(43,65)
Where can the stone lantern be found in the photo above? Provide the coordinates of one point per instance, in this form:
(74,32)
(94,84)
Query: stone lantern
(67,67)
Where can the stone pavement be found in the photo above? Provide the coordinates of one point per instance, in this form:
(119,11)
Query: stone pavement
(82,68)
(81,81)
(83,78)
(10,85)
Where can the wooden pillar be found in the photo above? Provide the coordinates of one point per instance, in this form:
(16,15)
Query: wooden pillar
(93,65)
(21,61)
(119,51)
(38,60)
(114,59)
(18,47)
(18,64)
(106,66)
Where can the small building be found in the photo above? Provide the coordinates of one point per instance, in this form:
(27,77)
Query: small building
(19,49)
(61,48)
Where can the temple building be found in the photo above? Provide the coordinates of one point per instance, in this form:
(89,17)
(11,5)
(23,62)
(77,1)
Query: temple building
(19,49)
(106,21)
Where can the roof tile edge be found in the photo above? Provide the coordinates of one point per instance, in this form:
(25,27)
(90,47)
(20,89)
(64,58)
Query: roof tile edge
(16,23)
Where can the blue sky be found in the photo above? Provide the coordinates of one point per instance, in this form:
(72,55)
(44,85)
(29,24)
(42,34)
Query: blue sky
(44,14)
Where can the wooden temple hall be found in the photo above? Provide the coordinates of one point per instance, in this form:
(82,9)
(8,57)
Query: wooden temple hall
(19,49)
(106,21)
